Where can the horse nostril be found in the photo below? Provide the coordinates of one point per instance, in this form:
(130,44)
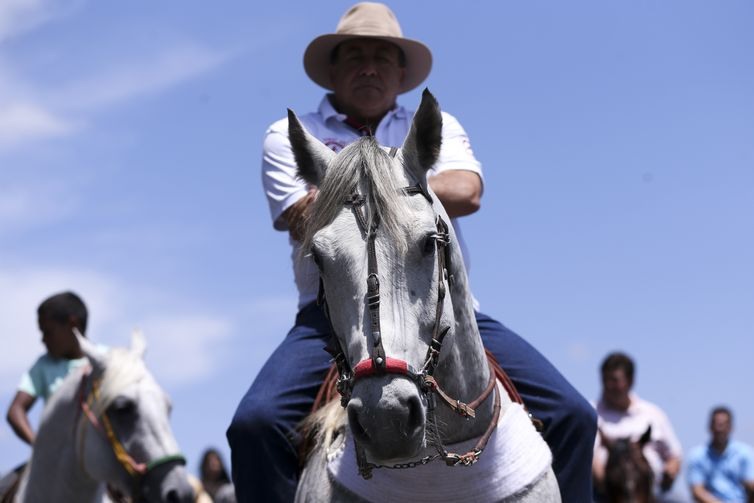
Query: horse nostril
(172,496)
(415,419)
(355,409)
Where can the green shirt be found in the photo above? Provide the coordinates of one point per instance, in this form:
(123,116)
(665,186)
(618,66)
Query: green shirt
(47,374)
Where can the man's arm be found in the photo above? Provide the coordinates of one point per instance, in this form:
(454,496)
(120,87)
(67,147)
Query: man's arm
(18,416)
(296,216)
(670,472)
(459,191)
(598,475)
(702,495)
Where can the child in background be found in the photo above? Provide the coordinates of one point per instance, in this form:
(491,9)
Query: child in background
(57,316)
(214,477)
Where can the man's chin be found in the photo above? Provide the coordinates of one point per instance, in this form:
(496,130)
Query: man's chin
(368,94)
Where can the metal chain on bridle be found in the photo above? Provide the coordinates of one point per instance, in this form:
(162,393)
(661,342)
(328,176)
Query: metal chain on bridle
(379,363)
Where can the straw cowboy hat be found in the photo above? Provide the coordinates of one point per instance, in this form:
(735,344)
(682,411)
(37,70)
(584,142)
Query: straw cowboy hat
(368,20)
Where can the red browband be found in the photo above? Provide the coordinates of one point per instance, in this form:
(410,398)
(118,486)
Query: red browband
(392,366)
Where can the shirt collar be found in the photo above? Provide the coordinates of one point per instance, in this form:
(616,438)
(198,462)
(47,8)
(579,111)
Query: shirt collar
(634,402)
(327,111)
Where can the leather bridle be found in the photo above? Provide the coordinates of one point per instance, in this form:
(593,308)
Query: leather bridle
(379,363)
(137,471)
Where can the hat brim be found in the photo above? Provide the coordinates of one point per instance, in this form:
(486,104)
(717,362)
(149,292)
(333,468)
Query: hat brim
(317,59)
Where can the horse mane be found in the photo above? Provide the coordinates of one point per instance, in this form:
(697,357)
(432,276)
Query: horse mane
(124,367)
(364,160)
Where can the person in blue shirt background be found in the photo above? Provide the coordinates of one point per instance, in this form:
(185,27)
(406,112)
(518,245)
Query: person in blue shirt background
(722,470)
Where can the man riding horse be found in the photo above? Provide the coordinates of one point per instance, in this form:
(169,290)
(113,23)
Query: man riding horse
(366,64)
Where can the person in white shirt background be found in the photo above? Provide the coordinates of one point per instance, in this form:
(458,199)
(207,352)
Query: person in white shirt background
(622,413)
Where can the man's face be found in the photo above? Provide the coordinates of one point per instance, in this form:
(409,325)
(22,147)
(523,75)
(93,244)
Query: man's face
(615,388)
(720,428)
(57,337)
(366,77)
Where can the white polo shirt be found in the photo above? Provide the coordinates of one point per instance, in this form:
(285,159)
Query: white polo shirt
(283,188)
(633,423)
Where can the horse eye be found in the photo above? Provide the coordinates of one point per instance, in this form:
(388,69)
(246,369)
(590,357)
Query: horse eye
(428,246)
(123,406)
(316,257)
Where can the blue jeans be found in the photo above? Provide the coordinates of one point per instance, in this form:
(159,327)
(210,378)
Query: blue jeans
(262,434)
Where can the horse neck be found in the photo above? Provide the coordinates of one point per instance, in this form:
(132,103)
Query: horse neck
(464,372)
(54,472)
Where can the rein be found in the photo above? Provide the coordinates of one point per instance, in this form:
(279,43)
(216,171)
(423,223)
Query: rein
(137,471)
(379,364)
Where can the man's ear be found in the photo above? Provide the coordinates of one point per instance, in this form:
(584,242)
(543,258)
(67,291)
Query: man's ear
(312,156)
(73,322)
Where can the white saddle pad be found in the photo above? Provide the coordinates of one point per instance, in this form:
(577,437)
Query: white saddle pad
(515,457)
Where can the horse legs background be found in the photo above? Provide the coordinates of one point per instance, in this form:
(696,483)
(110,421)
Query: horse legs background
(263,453)
(570,421)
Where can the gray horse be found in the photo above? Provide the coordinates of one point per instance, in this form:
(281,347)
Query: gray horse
(407,353)
(106,424)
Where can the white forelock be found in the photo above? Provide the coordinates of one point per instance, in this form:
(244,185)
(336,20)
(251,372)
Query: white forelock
(123,368)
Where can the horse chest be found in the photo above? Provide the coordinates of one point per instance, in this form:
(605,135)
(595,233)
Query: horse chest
(515,458)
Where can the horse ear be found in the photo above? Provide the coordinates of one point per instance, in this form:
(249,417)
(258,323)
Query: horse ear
(312,156)
(646,437)
(138,342)
(91,351)
(421,148)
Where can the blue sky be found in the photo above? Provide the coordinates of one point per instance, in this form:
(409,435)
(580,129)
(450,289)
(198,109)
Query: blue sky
(617,141)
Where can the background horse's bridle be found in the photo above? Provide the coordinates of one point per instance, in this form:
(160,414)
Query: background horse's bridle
(88,393)
(379,363)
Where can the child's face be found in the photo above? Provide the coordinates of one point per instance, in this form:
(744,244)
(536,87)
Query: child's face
(58,337)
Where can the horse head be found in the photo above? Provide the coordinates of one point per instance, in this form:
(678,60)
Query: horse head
(126,439)
(378,236)
(628,475)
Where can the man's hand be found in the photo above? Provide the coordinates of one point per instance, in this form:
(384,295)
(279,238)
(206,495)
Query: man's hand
(460,191)
(701,495)
(297,215)
(669,473)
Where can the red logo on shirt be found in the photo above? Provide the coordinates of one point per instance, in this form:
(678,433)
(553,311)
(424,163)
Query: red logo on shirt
(334,144)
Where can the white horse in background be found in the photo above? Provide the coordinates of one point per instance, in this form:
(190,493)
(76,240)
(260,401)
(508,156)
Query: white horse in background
(404,349)
(106,424)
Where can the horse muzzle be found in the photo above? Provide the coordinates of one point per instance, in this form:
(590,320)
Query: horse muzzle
(387,416)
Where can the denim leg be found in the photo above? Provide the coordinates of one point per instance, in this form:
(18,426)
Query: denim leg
(264,462)
(570,421)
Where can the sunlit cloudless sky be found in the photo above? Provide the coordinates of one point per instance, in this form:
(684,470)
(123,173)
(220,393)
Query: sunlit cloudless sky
(617,141)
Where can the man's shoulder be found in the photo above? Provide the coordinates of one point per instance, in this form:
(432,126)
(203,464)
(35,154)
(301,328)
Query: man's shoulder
(742,449)
(647,407)
(698,453)
(44,361)
(311,120)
